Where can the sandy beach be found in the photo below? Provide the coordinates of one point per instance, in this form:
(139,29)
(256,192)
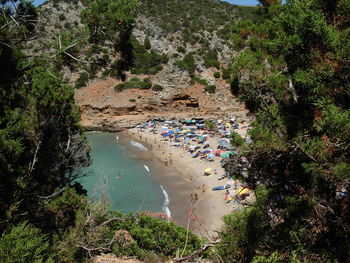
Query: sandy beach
(191,197)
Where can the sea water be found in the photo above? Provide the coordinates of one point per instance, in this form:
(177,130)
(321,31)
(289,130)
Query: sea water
(116,173)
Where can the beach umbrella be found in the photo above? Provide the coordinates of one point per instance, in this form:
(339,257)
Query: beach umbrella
(206,151)
(242,190)
(187,121)
(225,155)
(218,152)
(177,130)
(200,138)
(170,132)
(207,171)
(230,153)
(211,155)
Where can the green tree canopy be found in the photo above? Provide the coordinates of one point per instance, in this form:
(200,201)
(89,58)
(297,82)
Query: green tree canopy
(295,76)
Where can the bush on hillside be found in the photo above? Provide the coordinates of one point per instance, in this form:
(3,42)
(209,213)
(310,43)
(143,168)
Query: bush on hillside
(23,243)
(147,44)
(236,140)
(157,88)
(61,17)
(226,74)
(147,232)
(217,75)
(134,83)
(146,62)
(181,49)
(199,80)
(82,80)
(210,89)
(187,64)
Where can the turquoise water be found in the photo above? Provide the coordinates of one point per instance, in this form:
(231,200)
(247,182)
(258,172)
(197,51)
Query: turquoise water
(121,176)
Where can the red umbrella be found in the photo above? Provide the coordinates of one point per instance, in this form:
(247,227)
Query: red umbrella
(218,152)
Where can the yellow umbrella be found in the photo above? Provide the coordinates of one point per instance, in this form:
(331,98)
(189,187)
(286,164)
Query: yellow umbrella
(242,190)
(207,171)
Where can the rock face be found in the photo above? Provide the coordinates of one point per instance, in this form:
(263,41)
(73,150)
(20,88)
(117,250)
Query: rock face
(175,29)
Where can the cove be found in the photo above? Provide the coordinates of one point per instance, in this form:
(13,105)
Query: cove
(118,174)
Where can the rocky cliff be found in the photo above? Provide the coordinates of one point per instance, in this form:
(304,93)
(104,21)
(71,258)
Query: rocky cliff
(182,52)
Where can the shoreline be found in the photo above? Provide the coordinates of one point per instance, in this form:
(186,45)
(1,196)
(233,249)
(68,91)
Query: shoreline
(207,207)
(170,179)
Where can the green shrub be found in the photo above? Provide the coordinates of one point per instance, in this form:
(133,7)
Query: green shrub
(82,80)
(119,87)
(237,140)
(134,83)
(157,88)
(67,26)
(217,75)
(132,100)
(210,89)
(145,85)
(61,17)
(147,44)
(187,64)
(226,73)
(146,62)
(152,234)
(181,49)
(23,243)
(200,81)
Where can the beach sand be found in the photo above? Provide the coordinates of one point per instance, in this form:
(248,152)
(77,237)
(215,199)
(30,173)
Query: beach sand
(190,193)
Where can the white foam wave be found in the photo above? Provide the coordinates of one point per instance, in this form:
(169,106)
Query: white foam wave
(138,145)
(146,167)
(165,207)
(117,138)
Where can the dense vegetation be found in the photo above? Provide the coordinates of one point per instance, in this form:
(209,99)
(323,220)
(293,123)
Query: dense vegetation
(295,77)
(292,72)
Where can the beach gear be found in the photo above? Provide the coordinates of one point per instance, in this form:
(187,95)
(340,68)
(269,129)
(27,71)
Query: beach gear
(207,171)
(242,190)
(221,187)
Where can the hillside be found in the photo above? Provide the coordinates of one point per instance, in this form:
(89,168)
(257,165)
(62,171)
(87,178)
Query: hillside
(180,53)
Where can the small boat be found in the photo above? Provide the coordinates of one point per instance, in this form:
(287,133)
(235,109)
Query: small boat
(221,187)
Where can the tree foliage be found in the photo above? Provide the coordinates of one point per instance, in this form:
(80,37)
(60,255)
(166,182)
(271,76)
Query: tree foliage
(294,76)
(111,22)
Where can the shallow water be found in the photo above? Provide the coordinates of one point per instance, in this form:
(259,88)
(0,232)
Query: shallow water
(125,180)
